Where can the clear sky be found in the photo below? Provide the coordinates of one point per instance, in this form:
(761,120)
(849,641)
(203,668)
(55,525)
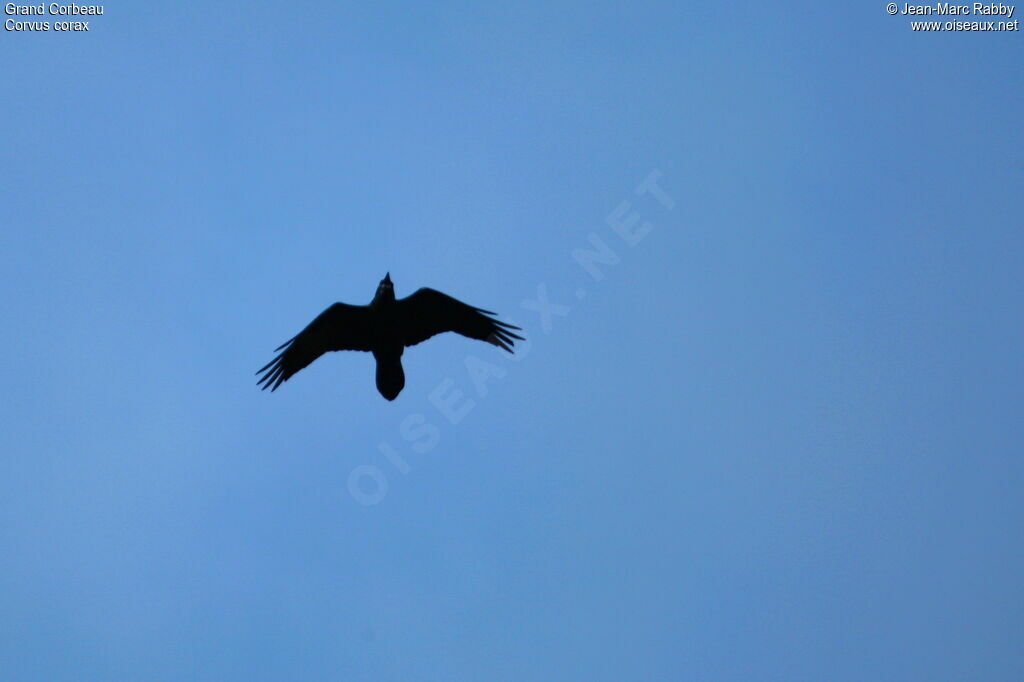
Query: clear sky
(778,439)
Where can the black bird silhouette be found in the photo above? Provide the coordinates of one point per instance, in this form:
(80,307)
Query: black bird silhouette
(385,327)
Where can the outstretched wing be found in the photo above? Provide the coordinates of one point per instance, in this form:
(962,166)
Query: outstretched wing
(428,312)
(340,327)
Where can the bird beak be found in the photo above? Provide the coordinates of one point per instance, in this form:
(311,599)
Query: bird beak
(387,278)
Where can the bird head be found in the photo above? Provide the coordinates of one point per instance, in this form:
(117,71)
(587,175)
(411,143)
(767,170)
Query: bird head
(386,289)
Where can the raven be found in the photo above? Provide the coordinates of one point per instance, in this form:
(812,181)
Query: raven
(385,327)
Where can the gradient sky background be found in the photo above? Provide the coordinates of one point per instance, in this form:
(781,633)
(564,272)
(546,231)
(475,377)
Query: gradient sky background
(780,440)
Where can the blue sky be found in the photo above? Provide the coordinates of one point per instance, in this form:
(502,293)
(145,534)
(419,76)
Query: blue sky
(780,439)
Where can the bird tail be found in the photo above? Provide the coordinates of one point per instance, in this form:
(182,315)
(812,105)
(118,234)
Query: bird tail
(390,376)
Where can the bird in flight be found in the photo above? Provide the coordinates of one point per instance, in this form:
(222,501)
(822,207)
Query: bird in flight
(385,328)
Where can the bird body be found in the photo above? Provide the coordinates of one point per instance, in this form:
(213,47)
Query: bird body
(388,346)
(385,328)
